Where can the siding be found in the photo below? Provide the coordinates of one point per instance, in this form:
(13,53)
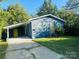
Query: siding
(29,30)
(41,28)
(45,27)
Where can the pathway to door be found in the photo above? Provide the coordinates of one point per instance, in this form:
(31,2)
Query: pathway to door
(27,49)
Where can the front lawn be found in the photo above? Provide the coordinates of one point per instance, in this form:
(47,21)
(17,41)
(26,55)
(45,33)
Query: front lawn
(68,46)
(3,47)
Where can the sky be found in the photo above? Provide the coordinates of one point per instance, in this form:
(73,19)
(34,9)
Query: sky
(32,6)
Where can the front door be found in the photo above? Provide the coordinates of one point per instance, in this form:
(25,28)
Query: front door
(15,33)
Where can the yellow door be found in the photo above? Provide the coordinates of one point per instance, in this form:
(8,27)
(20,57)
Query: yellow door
(15,33)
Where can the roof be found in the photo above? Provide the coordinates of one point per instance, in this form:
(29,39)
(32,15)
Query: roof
(19,24)
(14,25)
(46,16)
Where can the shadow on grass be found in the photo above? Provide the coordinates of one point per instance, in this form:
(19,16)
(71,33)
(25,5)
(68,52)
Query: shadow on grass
(68,47)
(3,47)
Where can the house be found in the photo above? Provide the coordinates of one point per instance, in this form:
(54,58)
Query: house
(39,27)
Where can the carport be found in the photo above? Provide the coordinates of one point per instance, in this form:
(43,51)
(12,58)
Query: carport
(14,31)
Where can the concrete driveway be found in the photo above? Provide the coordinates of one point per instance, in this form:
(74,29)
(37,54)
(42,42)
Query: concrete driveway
(27,49)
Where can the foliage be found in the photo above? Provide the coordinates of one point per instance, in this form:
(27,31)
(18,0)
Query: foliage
(17,14)
(3,0)
(72,22)
(14,14)
(71,15)
(3,47)
(4,16)
(72,5)
(47,8)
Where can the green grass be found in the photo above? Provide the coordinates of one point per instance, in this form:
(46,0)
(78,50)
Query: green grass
(68,46)
(3,46)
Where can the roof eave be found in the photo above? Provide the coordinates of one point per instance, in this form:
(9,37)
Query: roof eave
(13,26)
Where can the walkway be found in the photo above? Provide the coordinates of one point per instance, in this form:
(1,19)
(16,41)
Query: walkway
(27,49)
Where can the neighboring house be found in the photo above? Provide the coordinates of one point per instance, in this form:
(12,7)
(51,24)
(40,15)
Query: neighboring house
(39,27)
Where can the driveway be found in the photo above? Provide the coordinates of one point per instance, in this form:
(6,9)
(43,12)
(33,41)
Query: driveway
(27,49)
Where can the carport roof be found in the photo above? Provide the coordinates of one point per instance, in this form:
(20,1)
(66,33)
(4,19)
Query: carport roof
(14,25)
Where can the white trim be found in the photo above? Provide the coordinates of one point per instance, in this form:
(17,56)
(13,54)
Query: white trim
(45,16)
(7,33)
(14,25)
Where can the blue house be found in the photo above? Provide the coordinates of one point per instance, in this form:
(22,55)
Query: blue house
(39,27)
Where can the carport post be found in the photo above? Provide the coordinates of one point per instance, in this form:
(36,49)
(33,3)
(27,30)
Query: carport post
(7,33)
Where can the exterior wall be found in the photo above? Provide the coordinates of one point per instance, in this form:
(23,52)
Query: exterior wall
(21,31)
(59,27)
(17,32)
(11,33)
(45,27)
(29,30)
(41,28)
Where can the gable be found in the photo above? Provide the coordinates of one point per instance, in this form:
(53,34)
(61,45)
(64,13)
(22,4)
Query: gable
(47,19)
(47,16)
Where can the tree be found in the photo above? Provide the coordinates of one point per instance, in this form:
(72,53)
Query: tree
(3,0)
(47,8)
(4,16)
(14,14)
(71,16)
(72,22)
(17,14)
(73,5)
